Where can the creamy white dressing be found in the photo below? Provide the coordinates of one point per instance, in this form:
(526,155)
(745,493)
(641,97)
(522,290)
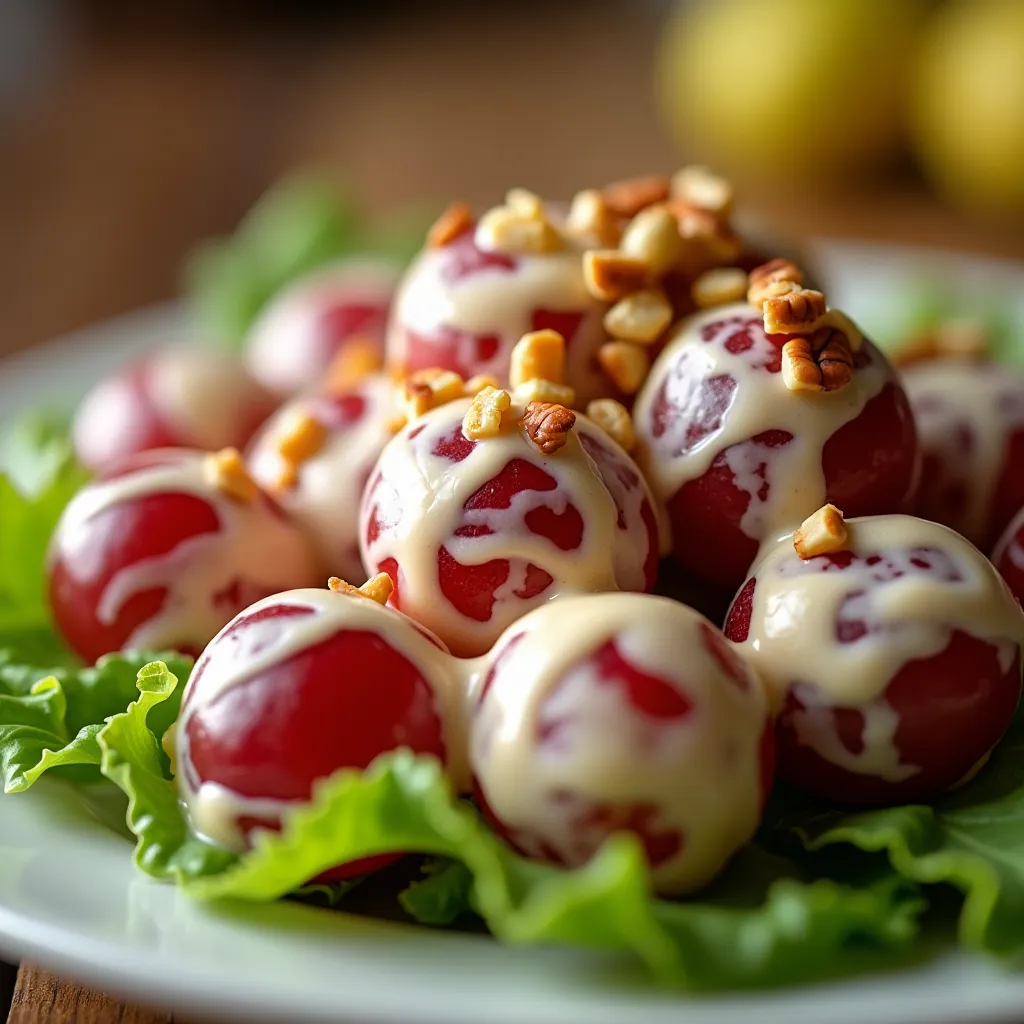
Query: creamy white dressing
(212,808)
(325,499)
(965,414)
(431,492)
(701,771)
(499,301)
(286,348)
(254,547)
(793,640)
(759,402)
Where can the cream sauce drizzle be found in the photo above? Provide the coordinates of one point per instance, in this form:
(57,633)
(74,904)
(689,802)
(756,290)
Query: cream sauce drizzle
(431,492)
(793,628)
(326,497)
(760,402)
(949,396)
(608,752)
(253,546)
(214,809)
(500,301)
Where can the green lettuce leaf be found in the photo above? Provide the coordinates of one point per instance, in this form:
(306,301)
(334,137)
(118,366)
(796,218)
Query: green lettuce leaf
(972,839)
(302,223)
(39,478)
(50,719)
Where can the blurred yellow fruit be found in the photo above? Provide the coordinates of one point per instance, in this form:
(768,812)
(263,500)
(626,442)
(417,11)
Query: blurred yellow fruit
(789,88)
(968,104)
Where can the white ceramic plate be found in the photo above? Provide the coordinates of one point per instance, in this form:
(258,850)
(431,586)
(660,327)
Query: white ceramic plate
(71,899)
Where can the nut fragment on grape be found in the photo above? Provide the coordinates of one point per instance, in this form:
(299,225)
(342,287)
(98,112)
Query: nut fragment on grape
(548,425)
(300,438)
(821,534)
(477,384)
(609,275)
(226,471)
(818,362)
(505,230)
(525,203)
(718,286)
(773,279)
(428,389)
(591,220)
(378,588)
(456,220)
(537,389)
(797,312)
(640,317)
(625,364)
(485,414)
(357,360)
(537,354)
(702,188)
(627,198)
(653,236)
(614,419)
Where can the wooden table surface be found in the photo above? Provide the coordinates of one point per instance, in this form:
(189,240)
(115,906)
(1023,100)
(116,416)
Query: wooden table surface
(144,141)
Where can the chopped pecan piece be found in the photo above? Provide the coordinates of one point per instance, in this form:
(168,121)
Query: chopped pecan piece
(628,198)
(456,220)
(821,534)
(818,362)
(797,312)
(548,425)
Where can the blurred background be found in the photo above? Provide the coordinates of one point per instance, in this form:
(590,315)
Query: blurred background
(129,131)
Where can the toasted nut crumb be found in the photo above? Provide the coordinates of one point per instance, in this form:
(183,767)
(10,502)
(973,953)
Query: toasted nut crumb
(818,362)
(700,187)
(821,534)
(795,313)
(525,203)
(628,198)
(548,425)
(610,275)
(625,363)
(590,219)
(476,384)
(539,390)
(708,240)
(456,220)
(537,354)
(226,471)
(358,359)
(505,230)
(653,236)
(718,286)
(379,588)
(614,419)
(955,339)
(641,317)
(428,389)
(393,424)
(772,279)
(302,437)
(484,416)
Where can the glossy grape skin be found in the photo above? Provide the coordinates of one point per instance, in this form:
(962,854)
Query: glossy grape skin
(869,463)
(575,739)
(152,525)
(180,397)
(1008,555)
(300,716)
(952,706)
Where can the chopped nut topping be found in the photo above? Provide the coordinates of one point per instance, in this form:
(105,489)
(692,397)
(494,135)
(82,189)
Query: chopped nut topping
(614,419)
(653,236)
(476,384)
(504,230)
(537,354)
(456,220)
(708,240)
(379,588)
(590,219)
(818,362)
(548,425)
(485,414)
(539,390)
(357,360)
(718,286)
(641,317)
(795,313)
(772,280)
(395,423)
(428,389)
(525,203)
(302,437)
(226,471)
(699,187)
(625,363)
(628,198)
(610,275)
(821,534)
(955,339)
